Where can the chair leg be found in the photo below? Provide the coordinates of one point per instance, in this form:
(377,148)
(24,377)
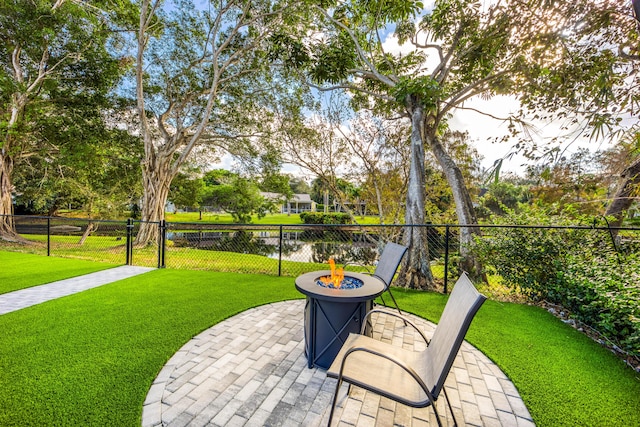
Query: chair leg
(382,299)
(395,303)
(335,400)
(435,411)
(455,422)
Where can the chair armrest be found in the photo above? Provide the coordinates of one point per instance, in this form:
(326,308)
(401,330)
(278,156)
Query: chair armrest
(390,313)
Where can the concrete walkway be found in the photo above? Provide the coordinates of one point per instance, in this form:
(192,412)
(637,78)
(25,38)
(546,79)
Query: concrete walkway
(17,300)
(250,370)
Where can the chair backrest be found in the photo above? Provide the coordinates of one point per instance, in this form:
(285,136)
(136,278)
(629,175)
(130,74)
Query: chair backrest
(389,261)
(463,304)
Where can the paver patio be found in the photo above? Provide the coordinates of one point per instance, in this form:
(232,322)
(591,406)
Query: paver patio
(250,370)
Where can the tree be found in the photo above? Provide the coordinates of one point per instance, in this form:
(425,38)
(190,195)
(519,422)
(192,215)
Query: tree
(56,67)
(378,148)
(241,198)
(273,181)
(503,196)
(628,185)
(187,190)
(299,185)
(576,183)
(93,168)
(315,146)
(625,32)
(454,52)
(202,79)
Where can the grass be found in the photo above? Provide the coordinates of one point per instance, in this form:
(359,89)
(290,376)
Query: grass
(270,219)
(89,359)
(21,271)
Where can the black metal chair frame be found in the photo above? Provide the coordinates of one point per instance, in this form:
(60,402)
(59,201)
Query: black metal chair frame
(425,372)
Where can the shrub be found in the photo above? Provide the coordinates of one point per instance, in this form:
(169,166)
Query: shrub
(604,293)
(576,268)
(325,218)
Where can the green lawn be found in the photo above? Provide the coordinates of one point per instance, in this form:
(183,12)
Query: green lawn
(270,219)
(21,271)
(89,359)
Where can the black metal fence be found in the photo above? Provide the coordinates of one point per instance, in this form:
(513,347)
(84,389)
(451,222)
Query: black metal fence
(286,250)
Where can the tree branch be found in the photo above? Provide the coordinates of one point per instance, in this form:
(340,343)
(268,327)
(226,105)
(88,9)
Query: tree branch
(470,91)
(382,78)
(348,86)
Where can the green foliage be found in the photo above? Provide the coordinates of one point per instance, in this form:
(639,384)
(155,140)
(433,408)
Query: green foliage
(526,258)
(334,60)
(424,89)
(187,191)
(218,177)
(574,183)
(575,268)
(60,83)
(241,198)
(288,49)
(603,291)
(325,218)
(94,169)
(272,179)
(299,186)
(500,197)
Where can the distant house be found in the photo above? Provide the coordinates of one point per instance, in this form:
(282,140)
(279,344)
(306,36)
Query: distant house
(298,202)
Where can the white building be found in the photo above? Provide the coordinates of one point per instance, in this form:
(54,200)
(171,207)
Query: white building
(298,202)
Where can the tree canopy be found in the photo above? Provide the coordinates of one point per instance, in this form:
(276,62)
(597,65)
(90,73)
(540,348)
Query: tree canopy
(57,72)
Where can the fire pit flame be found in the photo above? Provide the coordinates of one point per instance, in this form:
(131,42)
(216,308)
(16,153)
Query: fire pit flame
(337,275)
(337,279)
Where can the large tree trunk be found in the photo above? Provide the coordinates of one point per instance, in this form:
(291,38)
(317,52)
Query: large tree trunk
(157,174)
(416,271)
(464,209)
(7,224)
(622,200)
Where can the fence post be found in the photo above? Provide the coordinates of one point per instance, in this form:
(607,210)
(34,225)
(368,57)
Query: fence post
(280,253)
(48,236)
(446,257)
(129,242)
(161,244)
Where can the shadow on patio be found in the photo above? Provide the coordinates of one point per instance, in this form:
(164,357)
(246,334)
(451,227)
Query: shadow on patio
(251,370)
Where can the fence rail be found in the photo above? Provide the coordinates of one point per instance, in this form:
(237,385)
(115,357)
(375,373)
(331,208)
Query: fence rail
(287,250)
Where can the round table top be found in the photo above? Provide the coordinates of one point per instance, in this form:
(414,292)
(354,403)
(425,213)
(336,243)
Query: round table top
(371,287)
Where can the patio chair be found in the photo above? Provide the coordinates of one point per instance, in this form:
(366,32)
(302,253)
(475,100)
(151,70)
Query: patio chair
(413,378)
(387,265)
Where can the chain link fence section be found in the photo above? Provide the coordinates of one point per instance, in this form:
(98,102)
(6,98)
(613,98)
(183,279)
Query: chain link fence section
(96,240)
(287,250)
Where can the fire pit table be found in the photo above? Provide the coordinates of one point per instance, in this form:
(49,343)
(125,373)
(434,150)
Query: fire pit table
(331,313)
